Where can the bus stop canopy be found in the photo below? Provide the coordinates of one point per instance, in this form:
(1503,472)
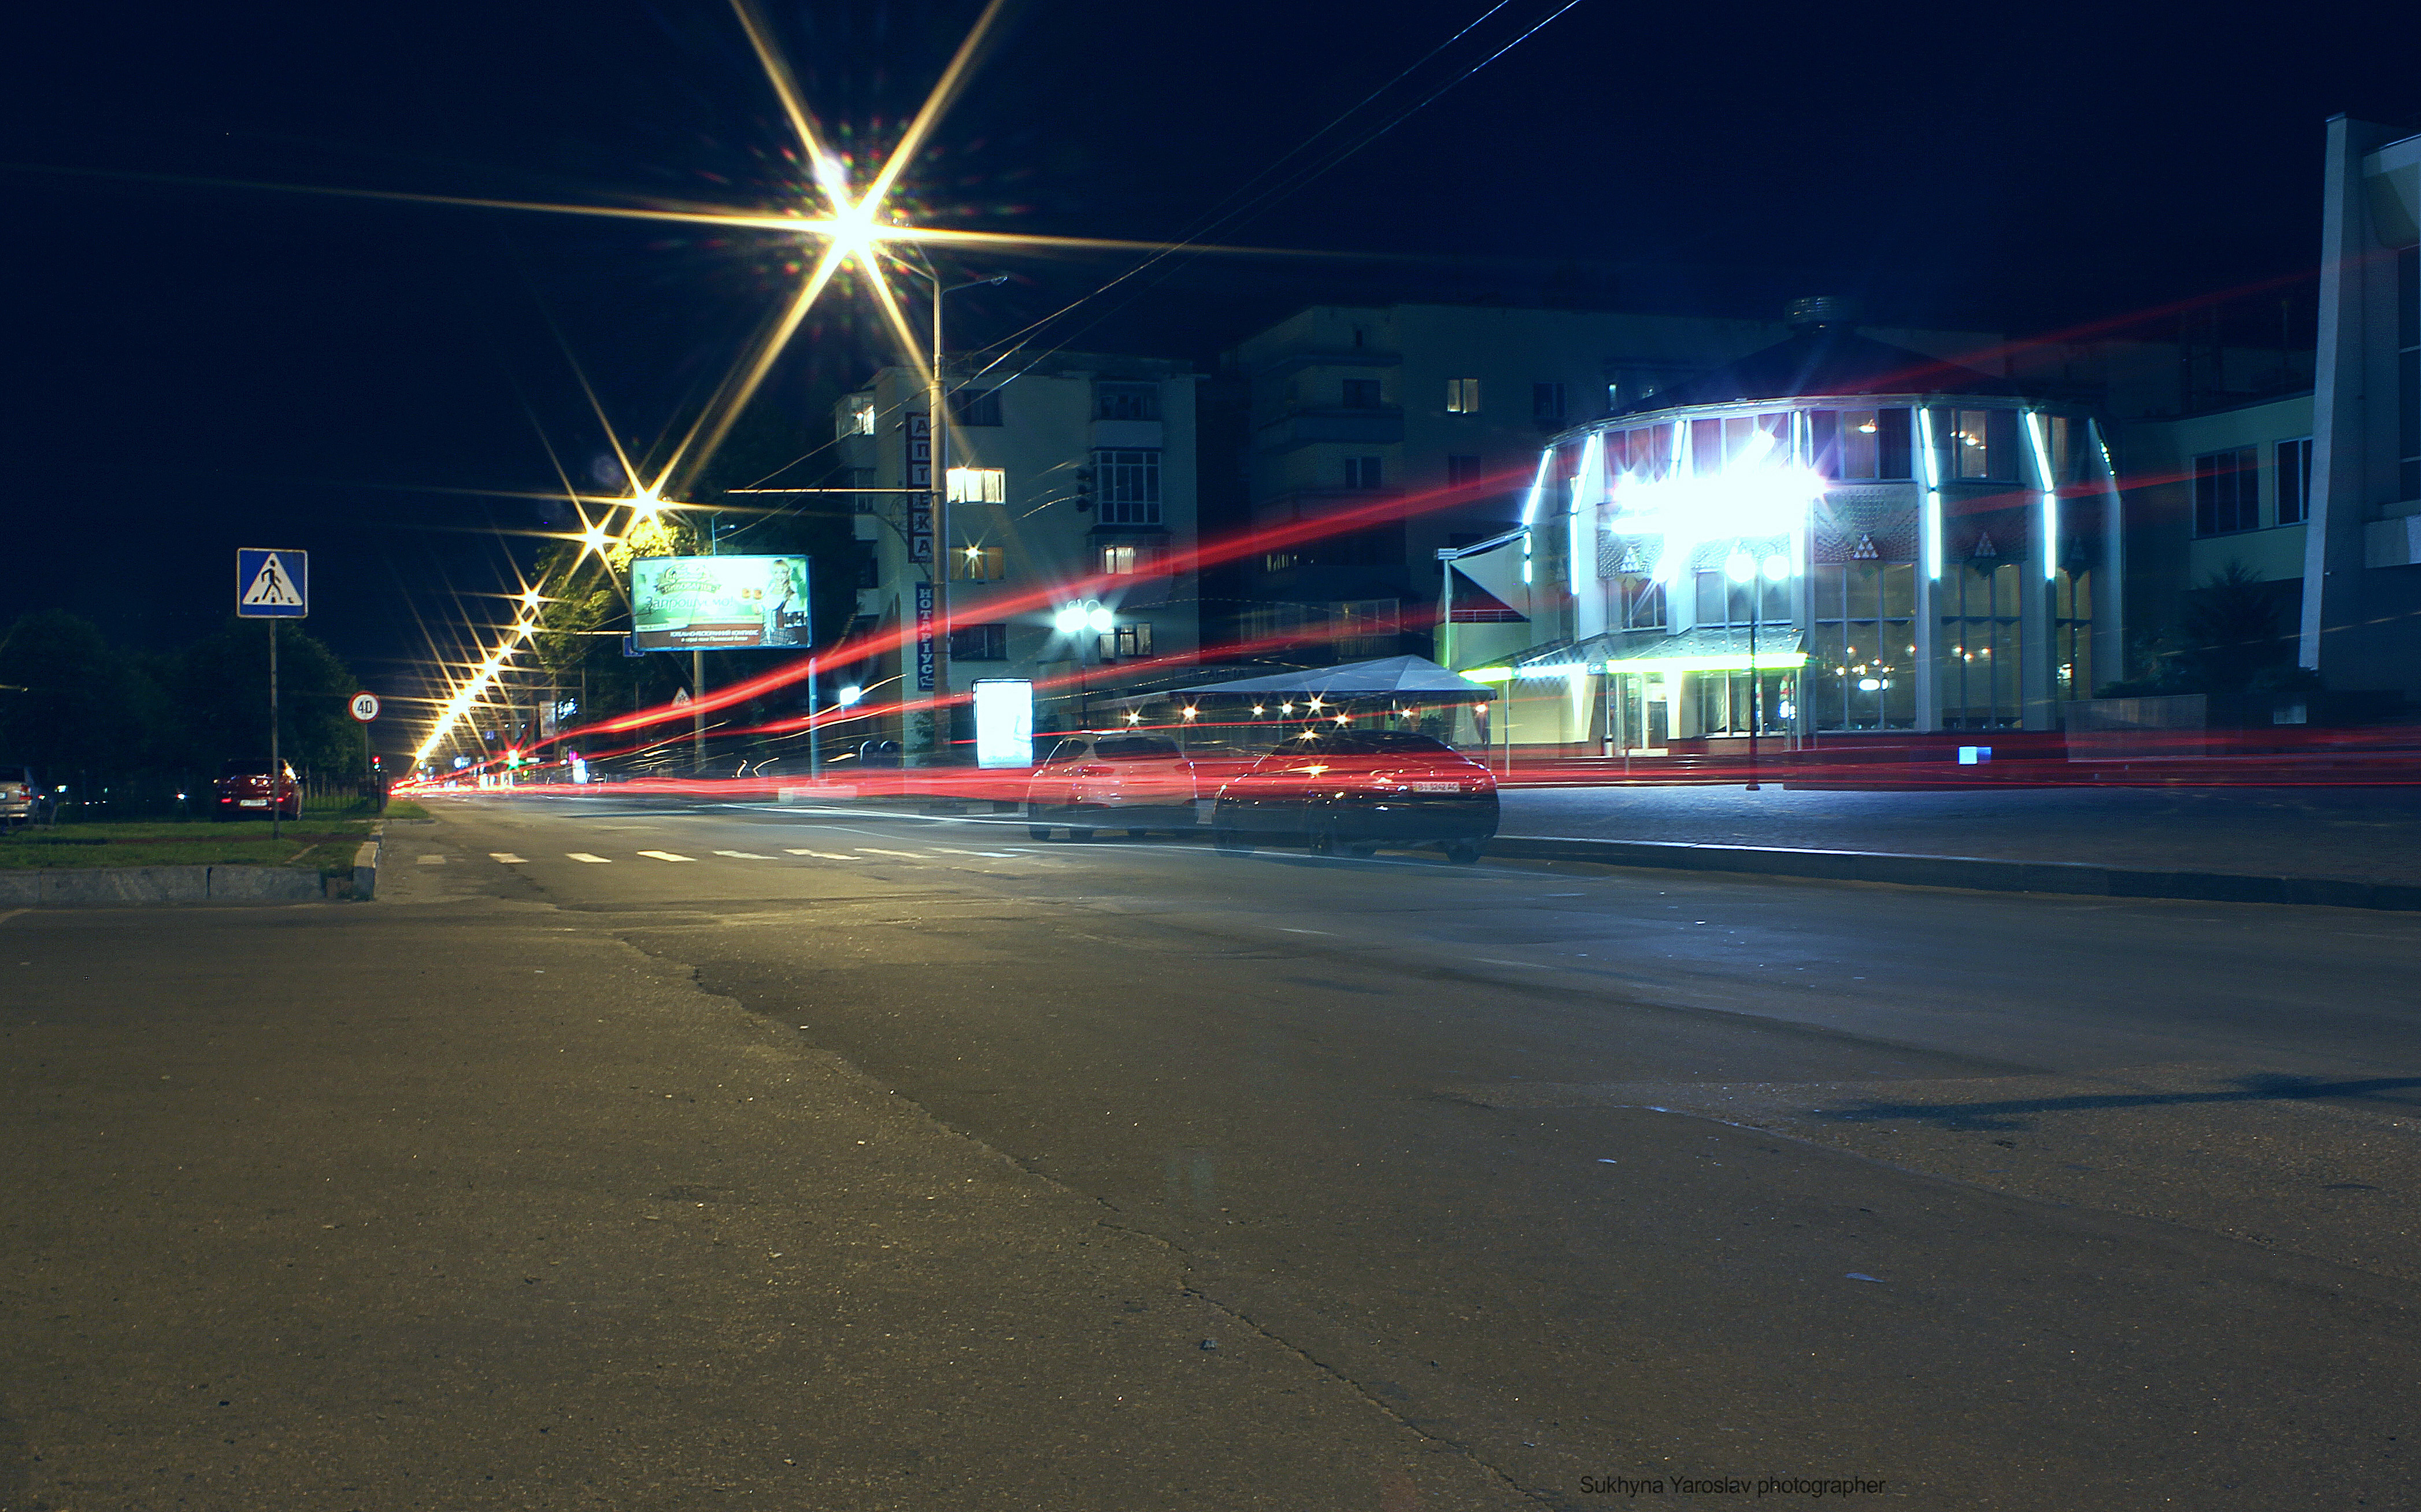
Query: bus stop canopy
(1355,680)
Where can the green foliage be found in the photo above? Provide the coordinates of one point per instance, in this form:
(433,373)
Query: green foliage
(134,730)
(2231,637)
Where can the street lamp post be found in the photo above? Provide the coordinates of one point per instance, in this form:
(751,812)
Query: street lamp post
(937,568)
(1744,569)
(1084,621)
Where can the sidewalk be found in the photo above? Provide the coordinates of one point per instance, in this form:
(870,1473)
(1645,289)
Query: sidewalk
(2359,836)
(459,1201)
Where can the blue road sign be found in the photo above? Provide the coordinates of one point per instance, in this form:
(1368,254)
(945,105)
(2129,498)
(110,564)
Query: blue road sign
(272,583)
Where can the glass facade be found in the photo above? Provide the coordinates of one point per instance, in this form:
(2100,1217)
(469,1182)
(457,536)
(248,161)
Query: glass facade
(1953,590)
(1862,660)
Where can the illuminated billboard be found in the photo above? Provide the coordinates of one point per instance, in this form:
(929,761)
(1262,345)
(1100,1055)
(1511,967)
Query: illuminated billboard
(718,603)
(1004,722)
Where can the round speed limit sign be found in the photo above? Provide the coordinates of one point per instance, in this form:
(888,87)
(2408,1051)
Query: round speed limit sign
(365,706)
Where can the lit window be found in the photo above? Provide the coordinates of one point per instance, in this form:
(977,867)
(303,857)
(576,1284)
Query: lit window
(978,564)
(1984,443)
(976,485)
(1860,444)
(1463,395)
(859,421)
(1121,561)
(1125,641)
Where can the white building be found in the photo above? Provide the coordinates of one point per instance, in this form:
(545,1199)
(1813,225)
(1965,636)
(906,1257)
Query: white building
(1072,482)
(1416,425)
(1833,537)
(2362,550)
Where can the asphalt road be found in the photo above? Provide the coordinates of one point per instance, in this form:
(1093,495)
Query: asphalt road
(1191,1180)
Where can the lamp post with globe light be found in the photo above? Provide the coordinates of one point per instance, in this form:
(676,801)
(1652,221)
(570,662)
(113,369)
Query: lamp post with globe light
(1084,621)
(1745,570)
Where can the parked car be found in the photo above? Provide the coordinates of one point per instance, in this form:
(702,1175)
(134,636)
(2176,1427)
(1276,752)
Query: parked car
(1106,779)
(1351,791)
(242,792)
(21,796)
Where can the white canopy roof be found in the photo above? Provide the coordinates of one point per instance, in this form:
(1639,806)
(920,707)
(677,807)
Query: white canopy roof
(1388,674)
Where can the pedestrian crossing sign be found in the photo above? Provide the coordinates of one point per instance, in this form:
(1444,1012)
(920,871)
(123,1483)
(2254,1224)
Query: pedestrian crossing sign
(272,583)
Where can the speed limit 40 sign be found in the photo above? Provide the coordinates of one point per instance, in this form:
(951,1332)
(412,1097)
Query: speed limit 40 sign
(365,706)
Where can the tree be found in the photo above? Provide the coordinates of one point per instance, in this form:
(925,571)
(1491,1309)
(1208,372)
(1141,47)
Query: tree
(71,707)
(219,694)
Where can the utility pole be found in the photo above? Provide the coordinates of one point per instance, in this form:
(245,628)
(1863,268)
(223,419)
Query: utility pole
(937,570)
(697,677)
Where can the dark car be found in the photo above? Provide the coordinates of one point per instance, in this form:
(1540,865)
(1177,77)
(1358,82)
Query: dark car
(1351,791)
(242,792)
(20,796)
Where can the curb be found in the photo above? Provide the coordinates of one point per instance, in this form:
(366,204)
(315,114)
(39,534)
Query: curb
(1969,873)
(161,884)
(366,860)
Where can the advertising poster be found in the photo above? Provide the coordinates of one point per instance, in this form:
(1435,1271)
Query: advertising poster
(718,603)
(1004,722)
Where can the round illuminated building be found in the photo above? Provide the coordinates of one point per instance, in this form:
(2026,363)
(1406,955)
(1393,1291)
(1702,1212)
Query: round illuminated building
(1832,536)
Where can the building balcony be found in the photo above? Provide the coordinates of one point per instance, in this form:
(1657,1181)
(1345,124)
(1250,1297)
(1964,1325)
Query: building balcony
(1310,426)
(1295,362)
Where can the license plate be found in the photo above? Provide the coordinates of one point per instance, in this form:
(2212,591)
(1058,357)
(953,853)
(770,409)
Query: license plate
(252,802)
(1437,786)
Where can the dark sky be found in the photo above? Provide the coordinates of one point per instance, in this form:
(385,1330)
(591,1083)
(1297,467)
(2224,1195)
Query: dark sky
(197,367)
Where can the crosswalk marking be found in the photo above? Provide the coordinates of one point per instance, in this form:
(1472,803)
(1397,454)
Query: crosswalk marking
(507,857)
(954,850)
(744,855)
(878,850)
(583,855)
(662,855)
(432,861)
(820,855)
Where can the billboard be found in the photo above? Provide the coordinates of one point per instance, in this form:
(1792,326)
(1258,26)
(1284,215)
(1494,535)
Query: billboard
(718,603)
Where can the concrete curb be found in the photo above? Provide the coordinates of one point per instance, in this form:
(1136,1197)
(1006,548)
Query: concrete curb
(366,860)
(1972,873)
(161,884)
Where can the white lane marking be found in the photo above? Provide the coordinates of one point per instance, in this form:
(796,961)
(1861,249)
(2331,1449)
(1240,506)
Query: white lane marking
(583,855)
(820,855)
(878,850)
(662,855)
(744,855)
(432,861)
(1304,932)
(507,857)
(1490,960)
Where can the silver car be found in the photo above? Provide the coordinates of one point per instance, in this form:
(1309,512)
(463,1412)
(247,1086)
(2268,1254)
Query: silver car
(21,796)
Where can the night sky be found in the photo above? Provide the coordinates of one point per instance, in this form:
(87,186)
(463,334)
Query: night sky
(196,367)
